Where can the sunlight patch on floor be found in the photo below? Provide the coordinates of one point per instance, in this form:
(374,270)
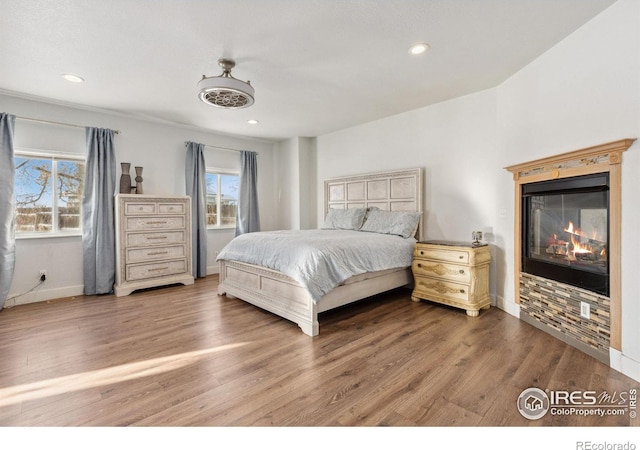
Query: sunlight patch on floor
(102,377)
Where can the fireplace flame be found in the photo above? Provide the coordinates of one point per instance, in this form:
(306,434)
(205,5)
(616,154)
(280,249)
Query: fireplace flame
(585,245)
(579,247)
(578,232)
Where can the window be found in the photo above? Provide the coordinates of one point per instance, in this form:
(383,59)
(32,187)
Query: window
(222,198)
(48,194)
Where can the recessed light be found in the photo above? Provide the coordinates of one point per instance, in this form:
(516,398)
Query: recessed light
(419,49)
(252,122)
(72,78)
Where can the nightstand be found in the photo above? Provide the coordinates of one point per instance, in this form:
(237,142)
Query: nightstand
(452,273)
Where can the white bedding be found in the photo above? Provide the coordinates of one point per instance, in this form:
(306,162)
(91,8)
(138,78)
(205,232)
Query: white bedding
(320,260)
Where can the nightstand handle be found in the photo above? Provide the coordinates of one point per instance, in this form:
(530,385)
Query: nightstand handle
(419,265)
(461,271)
(460,257)
(462,291)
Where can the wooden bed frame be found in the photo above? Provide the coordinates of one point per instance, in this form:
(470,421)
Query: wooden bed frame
(399,190)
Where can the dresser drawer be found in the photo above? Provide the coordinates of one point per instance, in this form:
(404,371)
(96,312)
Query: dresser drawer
(137,255)
(159,269)
(440,288)
(154,223)
(157,238)
(133,208)
(446,271)
(459,256)
(171,208)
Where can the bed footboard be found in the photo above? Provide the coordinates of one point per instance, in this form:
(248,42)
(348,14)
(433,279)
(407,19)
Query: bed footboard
(270,290)
(275,292)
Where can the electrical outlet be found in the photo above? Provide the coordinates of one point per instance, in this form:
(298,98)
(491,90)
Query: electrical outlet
(43,274)
(585,310)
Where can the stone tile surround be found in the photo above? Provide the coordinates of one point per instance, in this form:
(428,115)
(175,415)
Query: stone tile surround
(555,307)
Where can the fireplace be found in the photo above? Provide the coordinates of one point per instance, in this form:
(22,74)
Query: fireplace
(565,231)
(568,243)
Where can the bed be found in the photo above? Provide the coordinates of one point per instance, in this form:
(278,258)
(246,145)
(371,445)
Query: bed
(246,274)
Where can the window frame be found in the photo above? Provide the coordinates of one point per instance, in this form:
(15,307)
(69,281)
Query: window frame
(219,171)
(54,156)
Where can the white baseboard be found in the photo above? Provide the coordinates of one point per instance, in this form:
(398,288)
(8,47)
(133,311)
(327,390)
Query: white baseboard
(623,364)
(211,270)
(42,295)
(508,307)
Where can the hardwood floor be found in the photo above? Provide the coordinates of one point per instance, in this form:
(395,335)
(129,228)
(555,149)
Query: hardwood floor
(183,356)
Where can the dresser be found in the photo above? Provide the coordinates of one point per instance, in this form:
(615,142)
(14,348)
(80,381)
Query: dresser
(452,273)
(153,242)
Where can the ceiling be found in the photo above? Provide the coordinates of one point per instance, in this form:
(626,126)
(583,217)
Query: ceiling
(317,66)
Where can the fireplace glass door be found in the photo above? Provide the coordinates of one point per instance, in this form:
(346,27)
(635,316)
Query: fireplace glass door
(566,229)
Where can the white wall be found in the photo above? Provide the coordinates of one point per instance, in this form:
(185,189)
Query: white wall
(296,183)
(454,142)
(289,178)
(583,92)
(307,157)
(157,147)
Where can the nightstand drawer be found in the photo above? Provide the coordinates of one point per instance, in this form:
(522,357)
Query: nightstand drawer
(439,289)
(445,271)
(454,256)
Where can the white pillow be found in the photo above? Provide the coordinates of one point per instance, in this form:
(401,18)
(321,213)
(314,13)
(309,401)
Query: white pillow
(344,219)
(401,223)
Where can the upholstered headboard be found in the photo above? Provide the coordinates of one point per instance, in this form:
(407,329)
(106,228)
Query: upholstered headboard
(394,190)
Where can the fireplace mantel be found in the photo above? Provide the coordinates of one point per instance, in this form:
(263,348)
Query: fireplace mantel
(598,159)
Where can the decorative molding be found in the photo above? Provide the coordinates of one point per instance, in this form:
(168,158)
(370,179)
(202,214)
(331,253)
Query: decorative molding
(554,166)
(441,288)
(440,269)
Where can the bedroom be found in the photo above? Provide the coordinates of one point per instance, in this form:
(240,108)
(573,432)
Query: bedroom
(582,92)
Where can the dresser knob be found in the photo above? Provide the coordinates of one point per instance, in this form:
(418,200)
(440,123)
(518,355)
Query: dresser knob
(460,257)
(462,291)
(461,272)
(419,265)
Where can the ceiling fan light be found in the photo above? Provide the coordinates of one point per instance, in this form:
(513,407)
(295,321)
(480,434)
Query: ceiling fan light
(225,91)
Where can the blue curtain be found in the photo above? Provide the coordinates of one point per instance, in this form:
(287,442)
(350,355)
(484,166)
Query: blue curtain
(248,219)
(7,222)
(98,223)
(196,188)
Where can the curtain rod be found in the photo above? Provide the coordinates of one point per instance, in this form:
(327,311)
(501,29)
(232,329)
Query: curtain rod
(56,123)
(219,148)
